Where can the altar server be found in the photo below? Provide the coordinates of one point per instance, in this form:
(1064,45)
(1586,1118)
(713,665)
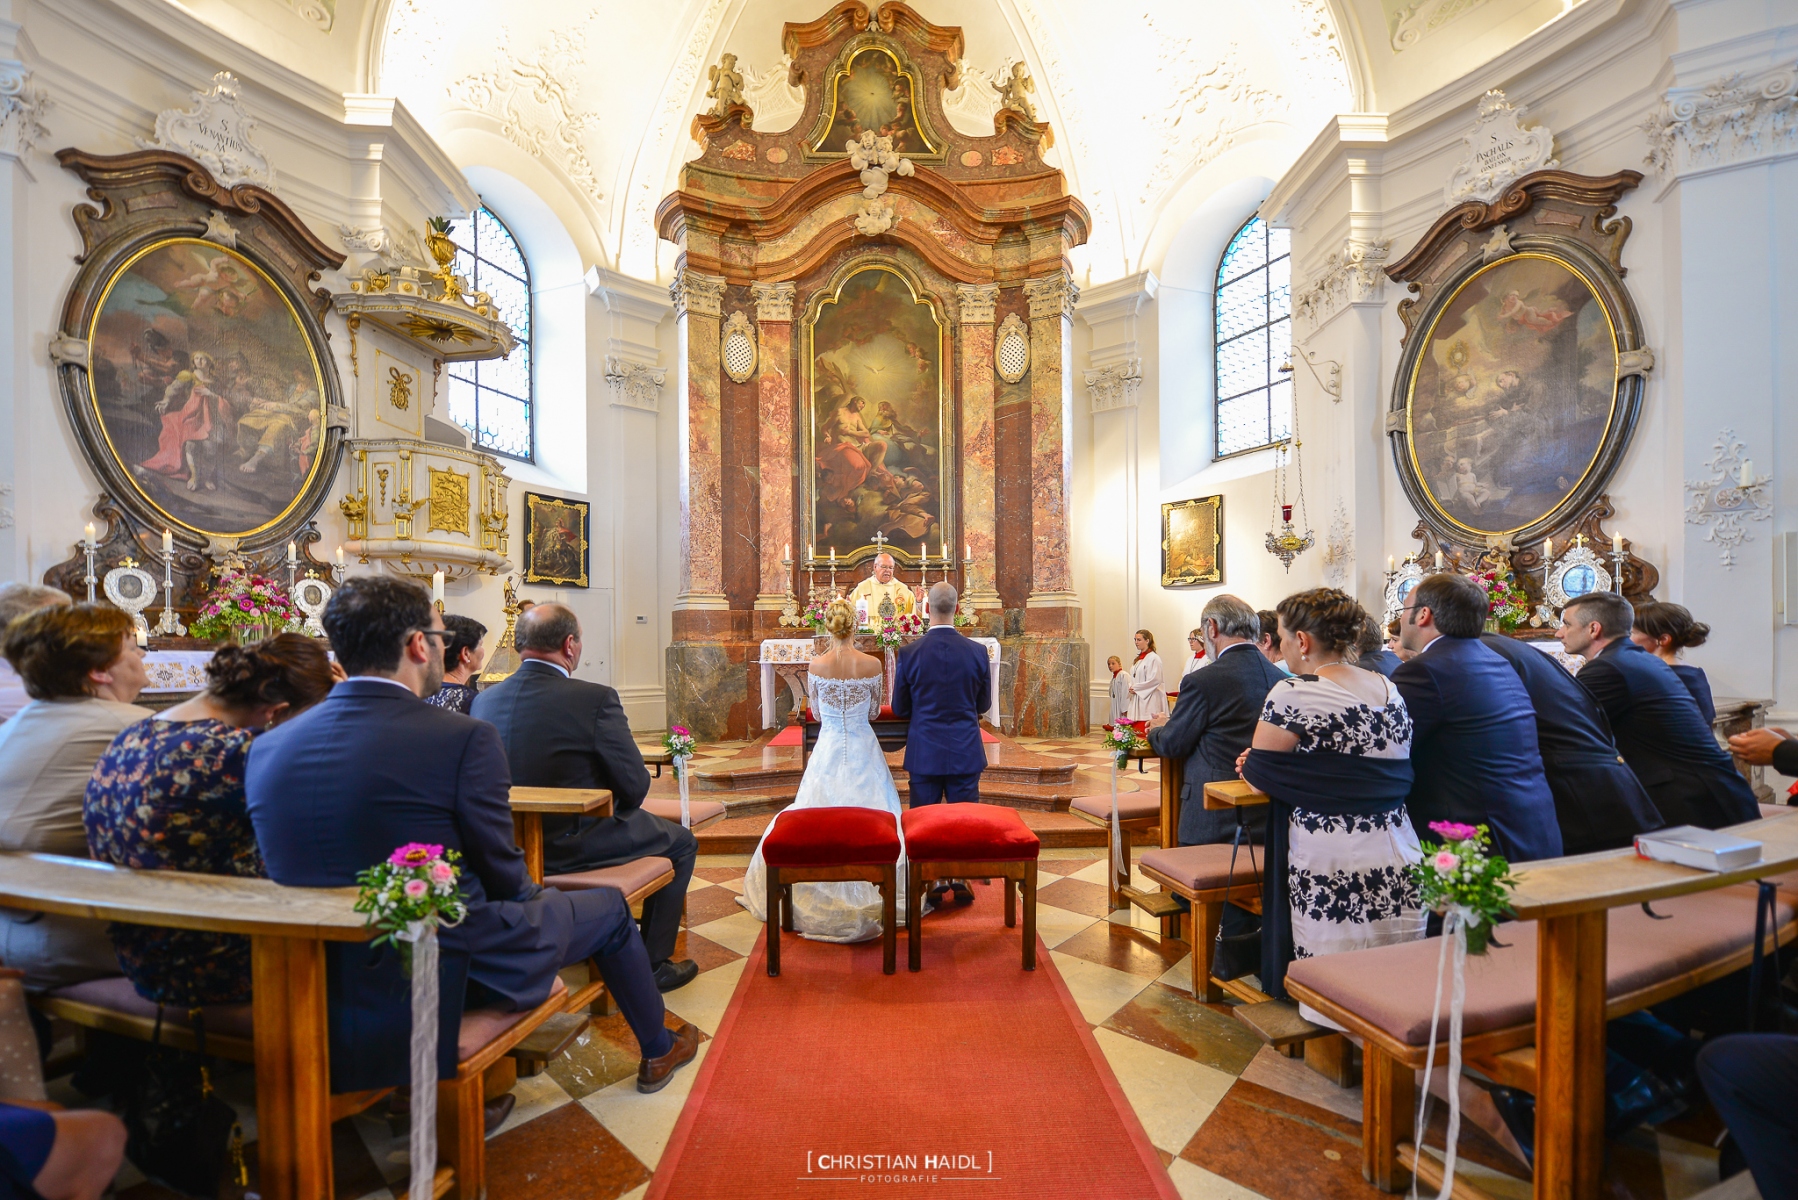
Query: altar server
(1195,642)
(1120,691)
(1148,691)
(1660,732)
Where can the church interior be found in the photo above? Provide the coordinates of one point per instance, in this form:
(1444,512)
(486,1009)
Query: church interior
(1112,337)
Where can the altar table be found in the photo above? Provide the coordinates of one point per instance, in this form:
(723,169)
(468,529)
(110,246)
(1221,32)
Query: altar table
(791,658)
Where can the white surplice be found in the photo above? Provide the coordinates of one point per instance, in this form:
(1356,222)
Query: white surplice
(1148,691)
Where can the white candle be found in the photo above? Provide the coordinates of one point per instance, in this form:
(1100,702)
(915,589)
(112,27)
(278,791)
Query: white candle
(967,552)
(1438,560)
(437,587)
(340,556)
(1391,564)
(786,551)
(833,556)
(88,531)
(143,638)
(168,543)
(923,552)
(1548,549)
(293,553)
(945,551)
(1617,543)
(1745,476)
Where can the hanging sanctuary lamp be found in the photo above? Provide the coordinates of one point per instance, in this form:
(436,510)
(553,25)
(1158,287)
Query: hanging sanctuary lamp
(1284,541)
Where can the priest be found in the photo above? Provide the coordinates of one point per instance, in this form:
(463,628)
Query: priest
(879,589)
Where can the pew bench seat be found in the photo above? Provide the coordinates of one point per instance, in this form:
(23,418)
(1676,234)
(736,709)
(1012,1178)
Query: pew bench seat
(701,812)
(1202,876)
(637,880)
(1384,996)
(1136,811)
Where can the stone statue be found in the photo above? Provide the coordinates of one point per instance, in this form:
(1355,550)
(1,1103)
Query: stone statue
(1014,93)
(876,159)
(726,85)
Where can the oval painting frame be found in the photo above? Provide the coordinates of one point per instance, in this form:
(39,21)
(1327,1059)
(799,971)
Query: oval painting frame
(1515,409)
(206,389)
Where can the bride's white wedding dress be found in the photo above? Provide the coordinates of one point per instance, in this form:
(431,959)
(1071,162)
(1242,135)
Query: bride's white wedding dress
(846,770)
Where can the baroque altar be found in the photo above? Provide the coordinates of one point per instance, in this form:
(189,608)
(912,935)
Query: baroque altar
(789,659)
(858,297)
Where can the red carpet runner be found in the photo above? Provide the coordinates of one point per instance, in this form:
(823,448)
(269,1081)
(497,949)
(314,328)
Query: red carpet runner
(971,1078)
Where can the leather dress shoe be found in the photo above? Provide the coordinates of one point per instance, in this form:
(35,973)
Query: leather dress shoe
(1645,1100)
(963,893)
(653,1074)
(1517,1109)
(671,974)
(495,1112)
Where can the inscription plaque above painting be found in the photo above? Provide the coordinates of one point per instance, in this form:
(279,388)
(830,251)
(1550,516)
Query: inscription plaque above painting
(1522,375)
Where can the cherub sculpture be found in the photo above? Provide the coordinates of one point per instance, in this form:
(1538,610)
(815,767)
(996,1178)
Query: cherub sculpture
(876,159)
(1014,93)
(726,85)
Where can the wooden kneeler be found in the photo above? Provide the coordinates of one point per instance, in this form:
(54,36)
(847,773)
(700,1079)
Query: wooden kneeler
(1016,875)
(969,841)
(828,845)
(780,905)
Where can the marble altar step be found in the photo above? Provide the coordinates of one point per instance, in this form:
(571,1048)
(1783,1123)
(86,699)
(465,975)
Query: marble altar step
(739,835)
(769,770)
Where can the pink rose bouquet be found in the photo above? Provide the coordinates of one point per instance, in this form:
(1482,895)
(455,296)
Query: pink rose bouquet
(239,599)
(416,885)
(1122,739)
(1462,875)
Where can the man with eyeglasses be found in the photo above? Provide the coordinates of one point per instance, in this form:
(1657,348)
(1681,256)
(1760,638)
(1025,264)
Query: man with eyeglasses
(335,790)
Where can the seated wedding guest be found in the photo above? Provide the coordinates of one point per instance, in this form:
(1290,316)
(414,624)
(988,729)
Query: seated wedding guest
(1659,730)
(1599,802)
(1211,725)
(1371,653)
(1750,1079)
(1269,641)
(168,796)
(1120,690)
(1148,691)
(462,661)
(82,668)
(1332,751)
(1664,630)
(559,731)
(16,600)
(67,1155)
(1195,644)
(336,789)
(1474,742)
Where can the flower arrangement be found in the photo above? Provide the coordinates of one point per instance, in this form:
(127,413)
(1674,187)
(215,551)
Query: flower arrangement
(1462,875)
(416,885)
(815,609)
(1506,605)
(1122,739)
(888,635)
(240,601)
(679,743)
(911,624)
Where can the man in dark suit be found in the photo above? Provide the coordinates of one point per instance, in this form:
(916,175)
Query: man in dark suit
(564,732)
(1660,732)
(1371,653)
(333,792)
(1599,803)
(1473,745)
(1214,719)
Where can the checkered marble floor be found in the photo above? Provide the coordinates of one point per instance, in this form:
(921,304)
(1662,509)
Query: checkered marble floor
(1231,1118)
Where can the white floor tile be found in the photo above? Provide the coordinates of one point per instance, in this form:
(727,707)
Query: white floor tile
(1686,1167)
(722,860)
(643,1123)
(1179,976)
(536,1096)
(636,1193)
(1057,925)
(1098,991)
(1196,1183)
(704,1000)
(1291,1077)
(735,885)
(1172,1096)
(735,932)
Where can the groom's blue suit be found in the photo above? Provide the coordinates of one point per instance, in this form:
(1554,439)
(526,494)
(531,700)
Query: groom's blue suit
(941,684)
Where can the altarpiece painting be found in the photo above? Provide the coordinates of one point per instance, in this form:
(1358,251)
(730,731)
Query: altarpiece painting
(877,411)
(874,93)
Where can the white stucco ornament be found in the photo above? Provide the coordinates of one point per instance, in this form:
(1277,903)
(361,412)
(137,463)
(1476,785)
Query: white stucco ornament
(876,159)
(216,134)
(1500,151)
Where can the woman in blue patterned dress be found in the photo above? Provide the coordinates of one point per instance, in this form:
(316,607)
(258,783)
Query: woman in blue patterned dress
(168,796)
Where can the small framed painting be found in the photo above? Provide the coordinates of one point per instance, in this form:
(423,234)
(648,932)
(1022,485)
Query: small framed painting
(1192,542)
(556,540)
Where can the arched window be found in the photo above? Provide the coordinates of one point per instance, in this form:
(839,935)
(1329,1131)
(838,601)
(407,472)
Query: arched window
(492,399)
(1254,337)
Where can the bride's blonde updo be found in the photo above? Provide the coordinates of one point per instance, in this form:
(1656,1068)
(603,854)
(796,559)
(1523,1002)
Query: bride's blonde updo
(839,620)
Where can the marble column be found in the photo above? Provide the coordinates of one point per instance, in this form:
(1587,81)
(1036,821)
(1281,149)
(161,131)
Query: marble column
(774,425)
(978,501)
(1049,691)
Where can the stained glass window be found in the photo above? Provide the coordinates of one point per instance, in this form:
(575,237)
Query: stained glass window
(1254,337)
(492,399)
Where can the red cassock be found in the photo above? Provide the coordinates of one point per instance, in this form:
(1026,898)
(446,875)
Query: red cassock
(192,422)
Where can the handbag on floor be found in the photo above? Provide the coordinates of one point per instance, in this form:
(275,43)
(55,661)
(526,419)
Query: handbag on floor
(1238,954)
(178,1131)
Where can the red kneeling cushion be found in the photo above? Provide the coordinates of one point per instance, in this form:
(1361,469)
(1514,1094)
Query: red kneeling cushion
(967,833)
(832,837)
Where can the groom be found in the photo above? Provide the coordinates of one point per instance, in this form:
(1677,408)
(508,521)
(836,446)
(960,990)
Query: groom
(941,684)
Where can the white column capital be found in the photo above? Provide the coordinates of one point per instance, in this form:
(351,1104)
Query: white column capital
(977,302)
(1051,295)
(773,301)
(694,294)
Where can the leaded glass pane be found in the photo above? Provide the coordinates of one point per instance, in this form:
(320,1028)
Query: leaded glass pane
(1254,337)
(492,399)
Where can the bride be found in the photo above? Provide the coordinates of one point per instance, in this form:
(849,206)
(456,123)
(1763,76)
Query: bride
(846,770)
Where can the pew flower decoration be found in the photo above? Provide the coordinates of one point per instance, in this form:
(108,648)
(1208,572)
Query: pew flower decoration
(242,601)
(1122,739)
(416,886)
(679,743)
(1507,608)
(1462,875)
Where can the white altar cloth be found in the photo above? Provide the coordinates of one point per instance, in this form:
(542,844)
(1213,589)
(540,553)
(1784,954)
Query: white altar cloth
(798,652)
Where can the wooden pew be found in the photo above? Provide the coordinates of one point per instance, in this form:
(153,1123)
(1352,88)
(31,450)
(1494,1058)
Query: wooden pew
(529,804)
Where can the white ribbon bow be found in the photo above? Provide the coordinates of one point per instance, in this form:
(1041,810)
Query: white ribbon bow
(680,774)
(1454,929)
(423,1145)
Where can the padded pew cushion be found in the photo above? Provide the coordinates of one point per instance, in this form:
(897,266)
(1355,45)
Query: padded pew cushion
(832,837)
(668,808)
(480,1026)
(968,833)
(1132,806)
(626,877)
(1390,987)
(118,994)
(1203,868)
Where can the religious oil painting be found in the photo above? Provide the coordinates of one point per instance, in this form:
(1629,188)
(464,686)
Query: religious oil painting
(556,540)
(1192,542)
(207,389)
(873,94)
(875,430)
(1512,394)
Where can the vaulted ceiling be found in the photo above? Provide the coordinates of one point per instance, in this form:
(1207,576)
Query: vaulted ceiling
(1154,104)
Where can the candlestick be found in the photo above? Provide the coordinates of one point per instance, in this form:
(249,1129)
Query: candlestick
(170,625)
(1618,557)
(87,548)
